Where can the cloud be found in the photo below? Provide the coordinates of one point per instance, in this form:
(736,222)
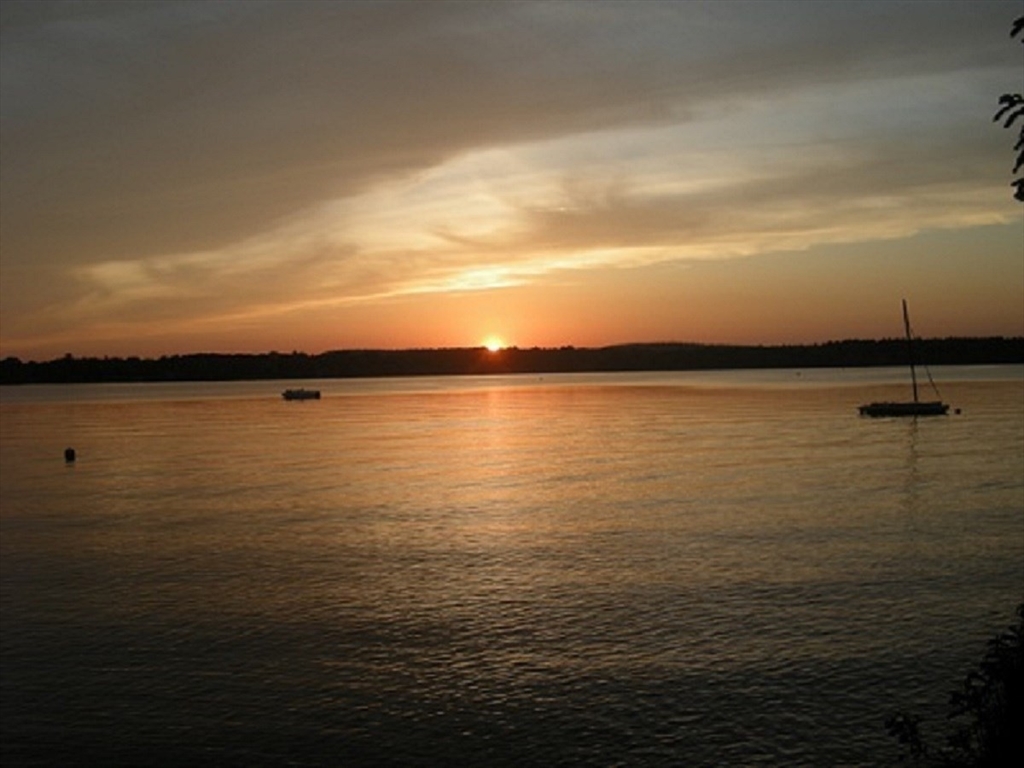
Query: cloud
(124,122)
(209,159)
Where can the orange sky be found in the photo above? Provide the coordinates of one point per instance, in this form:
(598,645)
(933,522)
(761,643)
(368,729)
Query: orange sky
(183,177)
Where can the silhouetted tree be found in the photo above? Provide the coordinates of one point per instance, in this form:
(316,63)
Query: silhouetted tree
(986,712)
(1012,109)
(989,707)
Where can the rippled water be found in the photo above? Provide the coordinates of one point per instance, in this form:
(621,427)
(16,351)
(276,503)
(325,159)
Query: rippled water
(674,569)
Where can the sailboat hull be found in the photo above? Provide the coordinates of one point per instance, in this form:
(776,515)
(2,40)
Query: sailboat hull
(934,408)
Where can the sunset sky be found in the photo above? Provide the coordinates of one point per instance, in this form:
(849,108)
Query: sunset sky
(249,176)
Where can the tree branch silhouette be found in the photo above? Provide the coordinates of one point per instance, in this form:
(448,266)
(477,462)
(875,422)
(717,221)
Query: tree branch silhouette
(1012,109)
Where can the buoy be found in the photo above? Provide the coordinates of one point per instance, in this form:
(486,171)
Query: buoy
(69,455)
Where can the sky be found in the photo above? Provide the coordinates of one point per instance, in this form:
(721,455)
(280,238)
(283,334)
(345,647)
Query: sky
(182,177)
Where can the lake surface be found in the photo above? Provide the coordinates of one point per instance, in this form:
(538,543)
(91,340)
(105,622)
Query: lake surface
(664,569)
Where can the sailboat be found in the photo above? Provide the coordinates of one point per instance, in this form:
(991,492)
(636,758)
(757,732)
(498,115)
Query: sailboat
(915,408)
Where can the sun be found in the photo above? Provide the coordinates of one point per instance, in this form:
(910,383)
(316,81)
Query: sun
(493,344)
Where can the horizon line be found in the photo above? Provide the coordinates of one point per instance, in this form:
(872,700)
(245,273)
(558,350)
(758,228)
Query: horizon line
(516,348)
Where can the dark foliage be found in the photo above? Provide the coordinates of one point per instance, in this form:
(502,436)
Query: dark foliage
(986,714)
(906,728)
(478,361)
(988,710)
(1010,110)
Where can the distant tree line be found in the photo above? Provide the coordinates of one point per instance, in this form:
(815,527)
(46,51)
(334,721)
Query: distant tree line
(479,361)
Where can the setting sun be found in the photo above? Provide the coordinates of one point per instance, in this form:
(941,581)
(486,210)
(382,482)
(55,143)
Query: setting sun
(493,344)
(586,220)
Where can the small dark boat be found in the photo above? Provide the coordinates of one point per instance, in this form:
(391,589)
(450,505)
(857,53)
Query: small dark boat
(915,408)
(301,394)
(934,408)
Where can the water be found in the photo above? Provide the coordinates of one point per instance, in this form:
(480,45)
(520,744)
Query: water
(669,569)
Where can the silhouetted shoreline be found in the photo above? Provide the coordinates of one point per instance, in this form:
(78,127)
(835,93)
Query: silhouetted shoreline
(479,361)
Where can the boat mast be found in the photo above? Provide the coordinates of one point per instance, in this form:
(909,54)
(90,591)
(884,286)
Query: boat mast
(910,349)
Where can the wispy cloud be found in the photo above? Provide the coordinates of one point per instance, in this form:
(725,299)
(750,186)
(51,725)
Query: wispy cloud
(165,162)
